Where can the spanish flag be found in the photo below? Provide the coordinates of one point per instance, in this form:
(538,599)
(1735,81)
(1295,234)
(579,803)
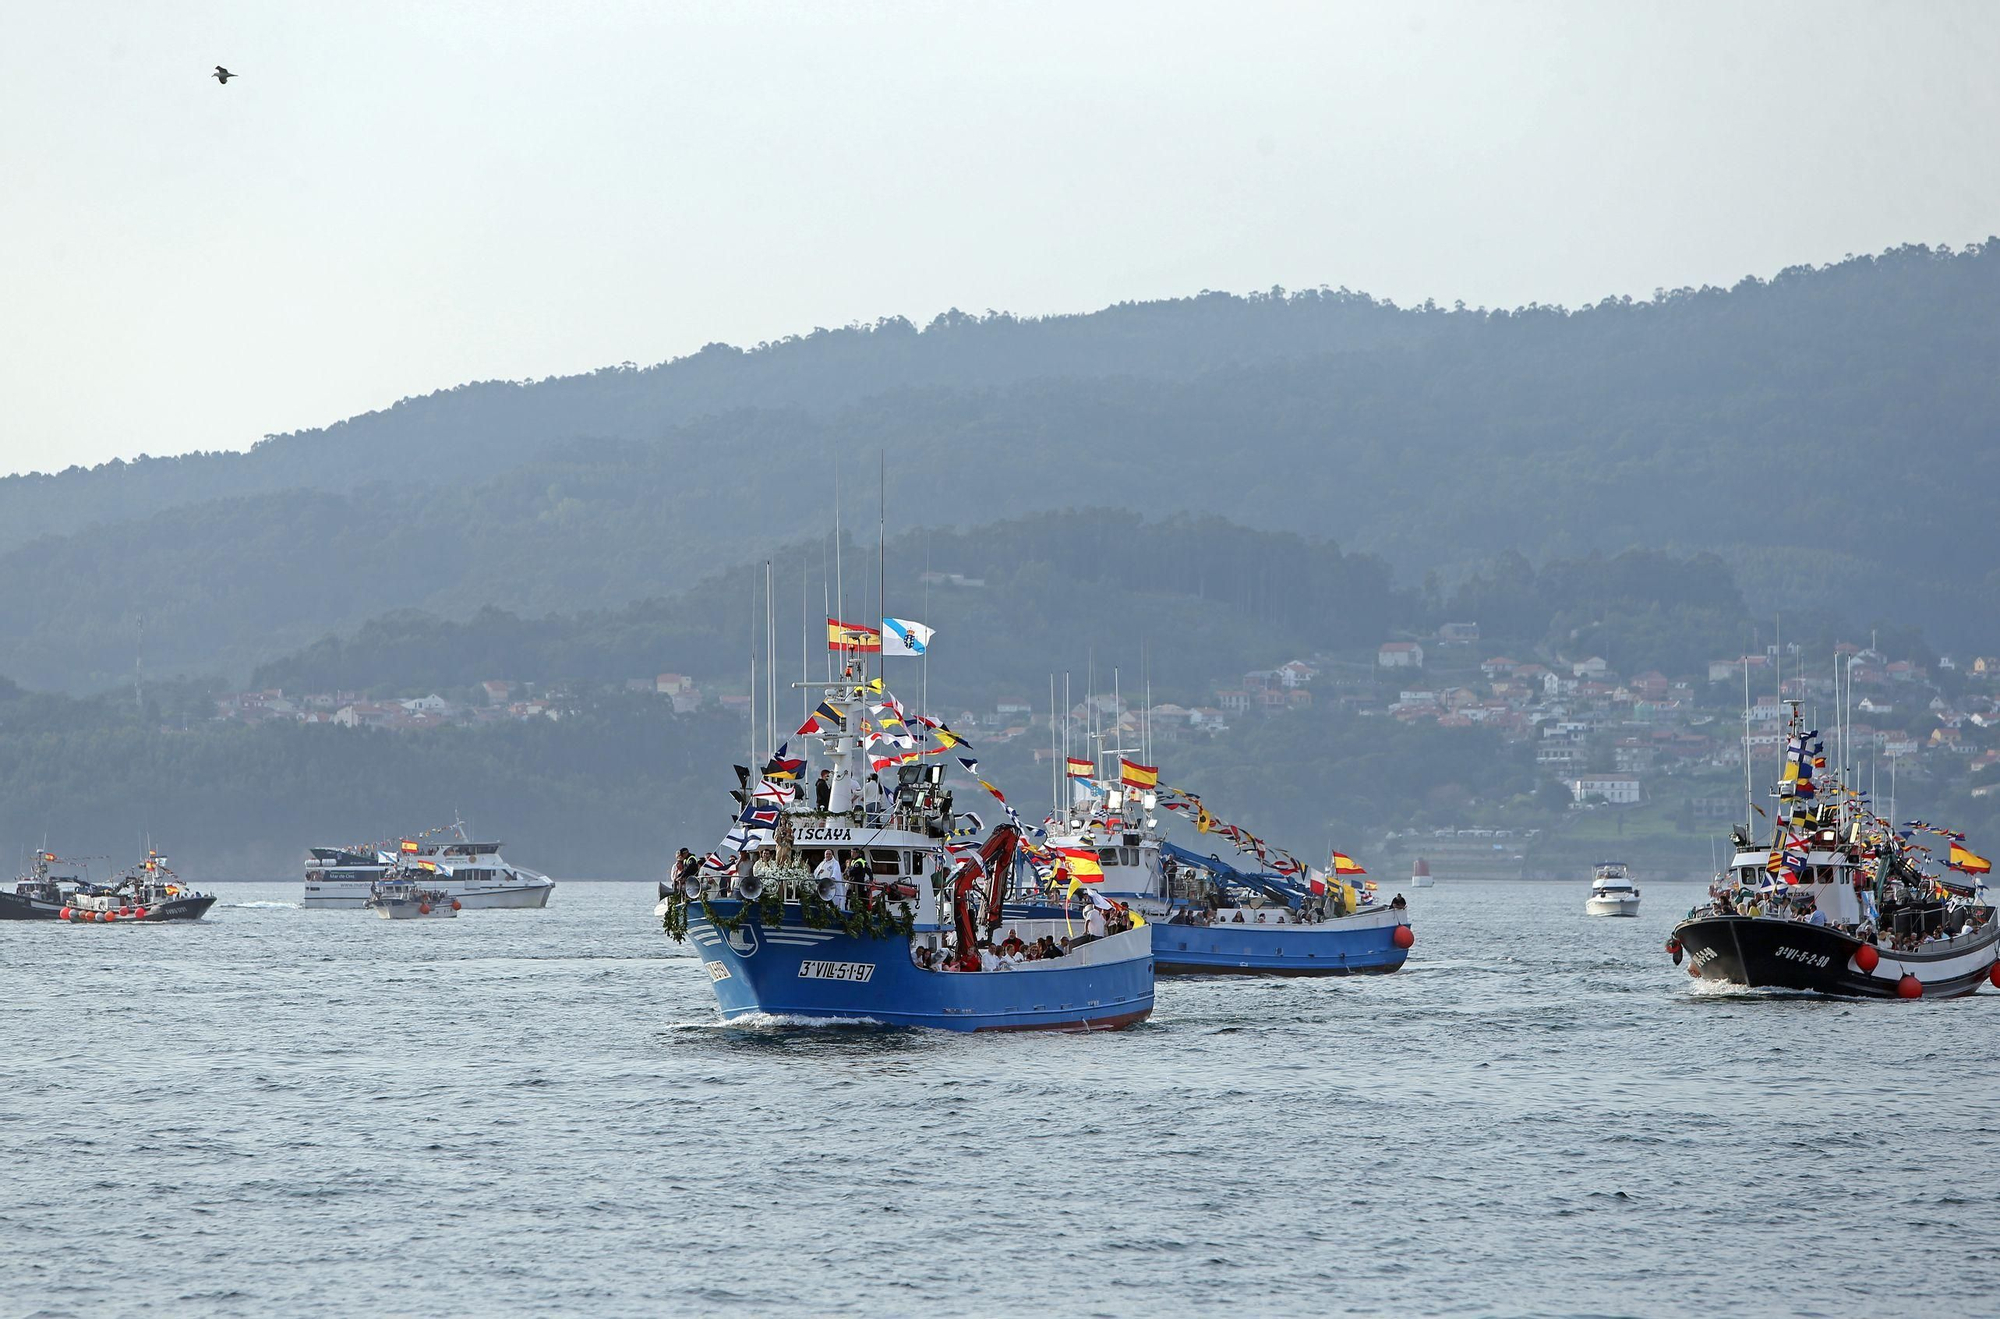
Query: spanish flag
(1134,775)
(1343,864)
(1082,864)
(1970,862)
(409,845)
(846,636)
(1078,769)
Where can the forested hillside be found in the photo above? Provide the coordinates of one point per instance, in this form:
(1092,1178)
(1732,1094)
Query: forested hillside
(1829,433)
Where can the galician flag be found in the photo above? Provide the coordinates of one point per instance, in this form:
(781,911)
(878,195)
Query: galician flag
(902,637)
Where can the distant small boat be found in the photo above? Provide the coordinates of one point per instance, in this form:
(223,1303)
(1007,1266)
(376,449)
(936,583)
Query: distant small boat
(41,894)
(402,899)
(1612,892)
(1420,874)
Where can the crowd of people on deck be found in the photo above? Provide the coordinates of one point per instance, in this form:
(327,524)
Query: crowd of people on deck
(1011,950)
(1906,917)
(840,873)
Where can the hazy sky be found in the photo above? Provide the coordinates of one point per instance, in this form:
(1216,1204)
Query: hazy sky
(398,197)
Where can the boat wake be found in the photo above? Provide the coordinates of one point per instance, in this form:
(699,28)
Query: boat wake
(763,1022)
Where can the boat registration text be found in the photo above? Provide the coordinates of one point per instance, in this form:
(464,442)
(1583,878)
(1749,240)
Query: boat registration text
(859,972)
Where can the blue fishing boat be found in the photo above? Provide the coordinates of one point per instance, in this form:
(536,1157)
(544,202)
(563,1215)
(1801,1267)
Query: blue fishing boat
(1225,921)
(881,911)
(1212,918)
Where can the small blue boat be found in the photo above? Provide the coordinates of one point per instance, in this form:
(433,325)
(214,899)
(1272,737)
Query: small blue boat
(1264,924)
(862,913)
(1210,918)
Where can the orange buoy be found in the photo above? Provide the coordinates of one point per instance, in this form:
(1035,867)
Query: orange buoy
(67,914)
(1866,959)
(423,909)
(1994,975)
(1403,937)
(110,916)
(124,911)
(455,904)
(1909,987)
(138,913)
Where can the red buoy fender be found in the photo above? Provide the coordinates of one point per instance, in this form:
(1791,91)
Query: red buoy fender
(423,909)
(1403,937)
(1866,959)
(1909,987)
(138,913)
(1993,975)
(110,916)
(68,915)
(455,905)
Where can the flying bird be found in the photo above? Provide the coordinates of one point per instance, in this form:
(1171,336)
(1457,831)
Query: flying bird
(223,75)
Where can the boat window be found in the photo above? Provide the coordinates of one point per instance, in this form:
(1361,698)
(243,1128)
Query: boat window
(885,861)
(917,864)
(1108,855)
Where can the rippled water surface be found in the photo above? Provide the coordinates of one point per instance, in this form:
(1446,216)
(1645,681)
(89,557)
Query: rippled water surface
(289,1112)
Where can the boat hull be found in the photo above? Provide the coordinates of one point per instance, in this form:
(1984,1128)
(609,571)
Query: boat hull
(1362,944)
(1767,953)
(512,897)
(1611,906)
(410,911)
(174,909)
(792,970)
(14,907)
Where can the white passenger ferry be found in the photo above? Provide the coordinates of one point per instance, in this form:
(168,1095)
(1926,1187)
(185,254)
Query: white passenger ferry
(472,872)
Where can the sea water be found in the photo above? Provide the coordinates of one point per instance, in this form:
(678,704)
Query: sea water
(289,1112)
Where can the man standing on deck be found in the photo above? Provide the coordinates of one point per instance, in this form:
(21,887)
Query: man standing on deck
(823,790)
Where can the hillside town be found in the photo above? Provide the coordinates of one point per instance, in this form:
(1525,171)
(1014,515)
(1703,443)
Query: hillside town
(1609,738)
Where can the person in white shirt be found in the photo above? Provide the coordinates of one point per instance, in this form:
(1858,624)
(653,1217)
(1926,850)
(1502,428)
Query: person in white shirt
(828,868)
(871,798)
(1093,922)
(988,959)
(831,869)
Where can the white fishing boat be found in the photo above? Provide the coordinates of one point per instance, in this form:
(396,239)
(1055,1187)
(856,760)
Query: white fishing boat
(1612,892)
(400,898)
(472,872)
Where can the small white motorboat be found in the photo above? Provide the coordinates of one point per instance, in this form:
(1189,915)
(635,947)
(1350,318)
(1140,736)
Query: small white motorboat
(1612,892)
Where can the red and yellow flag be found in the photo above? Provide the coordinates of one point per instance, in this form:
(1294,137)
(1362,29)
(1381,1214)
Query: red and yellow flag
(846,636)
(1078,769)
(1343,864)
(1970,862)
(1134,775)
(1082,864)
(409,844)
